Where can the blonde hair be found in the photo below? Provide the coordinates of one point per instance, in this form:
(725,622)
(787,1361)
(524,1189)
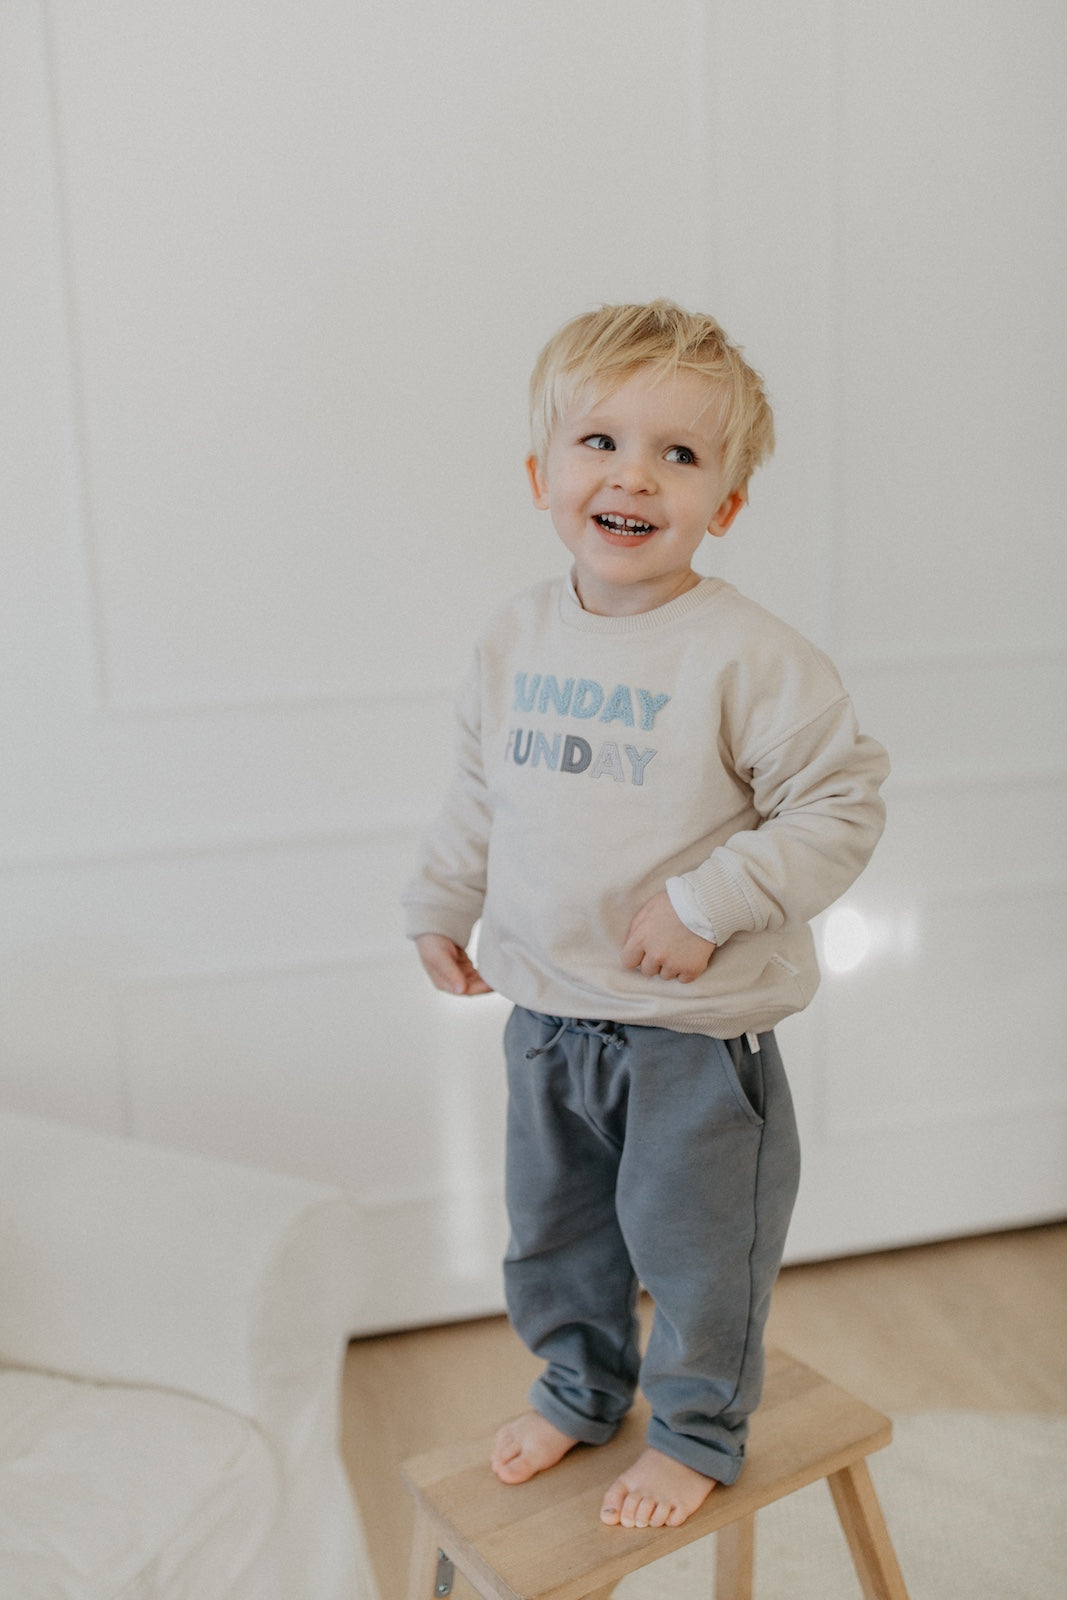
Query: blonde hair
(601,350)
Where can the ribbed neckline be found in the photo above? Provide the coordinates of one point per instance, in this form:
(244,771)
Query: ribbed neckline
(573,616)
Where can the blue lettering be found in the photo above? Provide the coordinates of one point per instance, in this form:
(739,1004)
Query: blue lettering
(620,707)
(525,697)
(560,697)
(588,698)
(650,705)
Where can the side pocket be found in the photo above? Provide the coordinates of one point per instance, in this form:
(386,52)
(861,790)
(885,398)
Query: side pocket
(744,1071)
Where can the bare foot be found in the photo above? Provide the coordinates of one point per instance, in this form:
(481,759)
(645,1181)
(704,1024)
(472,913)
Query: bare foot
(656,1492)
(528,1446)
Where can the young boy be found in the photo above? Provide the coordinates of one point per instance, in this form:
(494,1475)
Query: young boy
(658,785)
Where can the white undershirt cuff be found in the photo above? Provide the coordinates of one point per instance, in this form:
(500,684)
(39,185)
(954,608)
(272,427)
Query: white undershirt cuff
(687,909)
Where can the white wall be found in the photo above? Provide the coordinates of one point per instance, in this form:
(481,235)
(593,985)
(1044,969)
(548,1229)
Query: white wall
(273,279)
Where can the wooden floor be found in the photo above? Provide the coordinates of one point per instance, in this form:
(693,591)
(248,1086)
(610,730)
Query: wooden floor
(971,1324)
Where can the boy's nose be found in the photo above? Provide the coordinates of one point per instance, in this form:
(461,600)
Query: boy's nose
(632,474)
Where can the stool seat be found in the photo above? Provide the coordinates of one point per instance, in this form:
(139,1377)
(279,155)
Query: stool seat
(543,1540)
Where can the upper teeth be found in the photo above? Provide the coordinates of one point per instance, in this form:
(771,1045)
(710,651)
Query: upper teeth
(624,524)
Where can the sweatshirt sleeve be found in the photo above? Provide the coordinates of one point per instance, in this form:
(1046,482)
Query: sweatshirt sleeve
(821,815)
(446,891)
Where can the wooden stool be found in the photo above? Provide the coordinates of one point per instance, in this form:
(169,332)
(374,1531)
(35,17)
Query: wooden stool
(544,1540)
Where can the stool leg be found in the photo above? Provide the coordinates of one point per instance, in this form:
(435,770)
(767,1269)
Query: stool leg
(423,1571)
(868,1537)
(735,1556)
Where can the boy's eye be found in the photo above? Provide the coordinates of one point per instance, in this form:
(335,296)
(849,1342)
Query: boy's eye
(681,453)
(599,441)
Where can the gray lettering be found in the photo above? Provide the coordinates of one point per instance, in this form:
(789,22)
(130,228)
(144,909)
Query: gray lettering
(577,754)
(638,760)
(543,750)
(609,763)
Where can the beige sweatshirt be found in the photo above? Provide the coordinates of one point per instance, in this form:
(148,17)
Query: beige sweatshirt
(599,757)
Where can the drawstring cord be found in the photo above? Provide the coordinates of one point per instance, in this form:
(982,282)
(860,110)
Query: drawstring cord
(600,1030)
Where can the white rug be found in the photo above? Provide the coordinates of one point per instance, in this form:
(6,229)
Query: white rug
(976,1504)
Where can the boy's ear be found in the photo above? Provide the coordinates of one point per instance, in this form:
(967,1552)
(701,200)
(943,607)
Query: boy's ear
(538,483)
(727,512)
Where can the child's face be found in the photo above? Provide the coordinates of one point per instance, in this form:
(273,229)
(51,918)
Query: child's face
(634,482)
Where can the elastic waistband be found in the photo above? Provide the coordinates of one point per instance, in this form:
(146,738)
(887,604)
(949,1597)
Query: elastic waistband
(615,1033)
(609,1032)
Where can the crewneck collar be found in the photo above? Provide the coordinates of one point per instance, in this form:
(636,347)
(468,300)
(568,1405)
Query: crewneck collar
(573,615)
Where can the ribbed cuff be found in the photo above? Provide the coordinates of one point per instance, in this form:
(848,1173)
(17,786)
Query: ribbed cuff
(687,909)
(722,902)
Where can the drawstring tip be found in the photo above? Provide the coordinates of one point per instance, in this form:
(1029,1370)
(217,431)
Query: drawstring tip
(605,1031)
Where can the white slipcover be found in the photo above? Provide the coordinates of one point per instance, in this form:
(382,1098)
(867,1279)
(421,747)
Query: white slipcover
(171,1337)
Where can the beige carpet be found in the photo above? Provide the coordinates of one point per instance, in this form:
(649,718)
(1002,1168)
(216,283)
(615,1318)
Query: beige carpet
(976,1504)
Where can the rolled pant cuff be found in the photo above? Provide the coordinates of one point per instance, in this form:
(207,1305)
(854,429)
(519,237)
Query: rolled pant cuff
(587,1430)
(712,1460)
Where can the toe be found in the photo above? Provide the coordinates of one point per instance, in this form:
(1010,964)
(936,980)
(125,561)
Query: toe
(660,1518)
(611,1506)
(507,1459)
(630,1507)
(644,1512)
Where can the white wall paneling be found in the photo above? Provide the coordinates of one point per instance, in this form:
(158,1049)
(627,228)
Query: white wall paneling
(307,264)
(272,283)
(894,186)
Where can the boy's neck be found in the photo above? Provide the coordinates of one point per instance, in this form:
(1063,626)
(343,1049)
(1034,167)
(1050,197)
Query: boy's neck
(605,600)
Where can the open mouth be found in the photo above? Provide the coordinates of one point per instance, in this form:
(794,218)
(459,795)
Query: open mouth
(629,527)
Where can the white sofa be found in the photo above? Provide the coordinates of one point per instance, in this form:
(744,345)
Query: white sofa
(172,1332)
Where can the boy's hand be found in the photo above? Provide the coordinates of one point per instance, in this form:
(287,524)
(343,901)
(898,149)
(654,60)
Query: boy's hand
(448,967)
(661,945)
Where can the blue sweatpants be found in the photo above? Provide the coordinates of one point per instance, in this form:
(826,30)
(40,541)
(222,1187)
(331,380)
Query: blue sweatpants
(642,1156)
